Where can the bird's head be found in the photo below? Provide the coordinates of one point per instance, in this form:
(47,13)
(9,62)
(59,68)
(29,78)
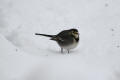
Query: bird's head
(74,32)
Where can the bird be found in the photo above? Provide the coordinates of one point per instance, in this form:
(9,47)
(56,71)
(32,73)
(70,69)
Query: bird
(66,39)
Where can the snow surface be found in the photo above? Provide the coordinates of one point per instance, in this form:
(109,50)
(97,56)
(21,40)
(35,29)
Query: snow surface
(24,56)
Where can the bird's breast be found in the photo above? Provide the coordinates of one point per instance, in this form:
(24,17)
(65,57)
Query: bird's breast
(71,46)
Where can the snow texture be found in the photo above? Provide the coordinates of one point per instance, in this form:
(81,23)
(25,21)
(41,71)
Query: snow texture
(25,56)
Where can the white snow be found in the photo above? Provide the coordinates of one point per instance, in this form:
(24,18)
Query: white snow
(24,56)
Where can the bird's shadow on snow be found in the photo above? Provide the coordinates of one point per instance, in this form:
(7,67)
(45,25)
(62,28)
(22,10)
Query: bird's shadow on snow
(57,52)
(54,51)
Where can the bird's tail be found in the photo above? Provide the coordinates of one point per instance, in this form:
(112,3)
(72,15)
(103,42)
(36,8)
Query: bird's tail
(45,35)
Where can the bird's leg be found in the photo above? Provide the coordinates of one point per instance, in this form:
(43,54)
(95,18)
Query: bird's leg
(68,51)
(61,50)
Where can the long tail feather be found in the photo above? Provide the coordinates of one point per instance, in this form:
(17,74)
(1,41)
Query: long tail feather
(44,35)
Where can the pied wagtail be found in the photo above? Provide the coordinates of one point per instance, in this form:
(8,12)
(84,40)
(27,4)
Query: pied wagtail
(67,39)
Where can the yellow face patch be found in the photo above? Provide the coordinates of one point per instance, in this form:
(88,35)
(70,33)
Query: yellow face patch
(75,34)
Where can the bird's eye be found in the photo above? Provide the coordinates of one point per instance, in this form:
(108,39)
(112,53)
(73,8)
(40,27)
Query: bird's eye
(73,32)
